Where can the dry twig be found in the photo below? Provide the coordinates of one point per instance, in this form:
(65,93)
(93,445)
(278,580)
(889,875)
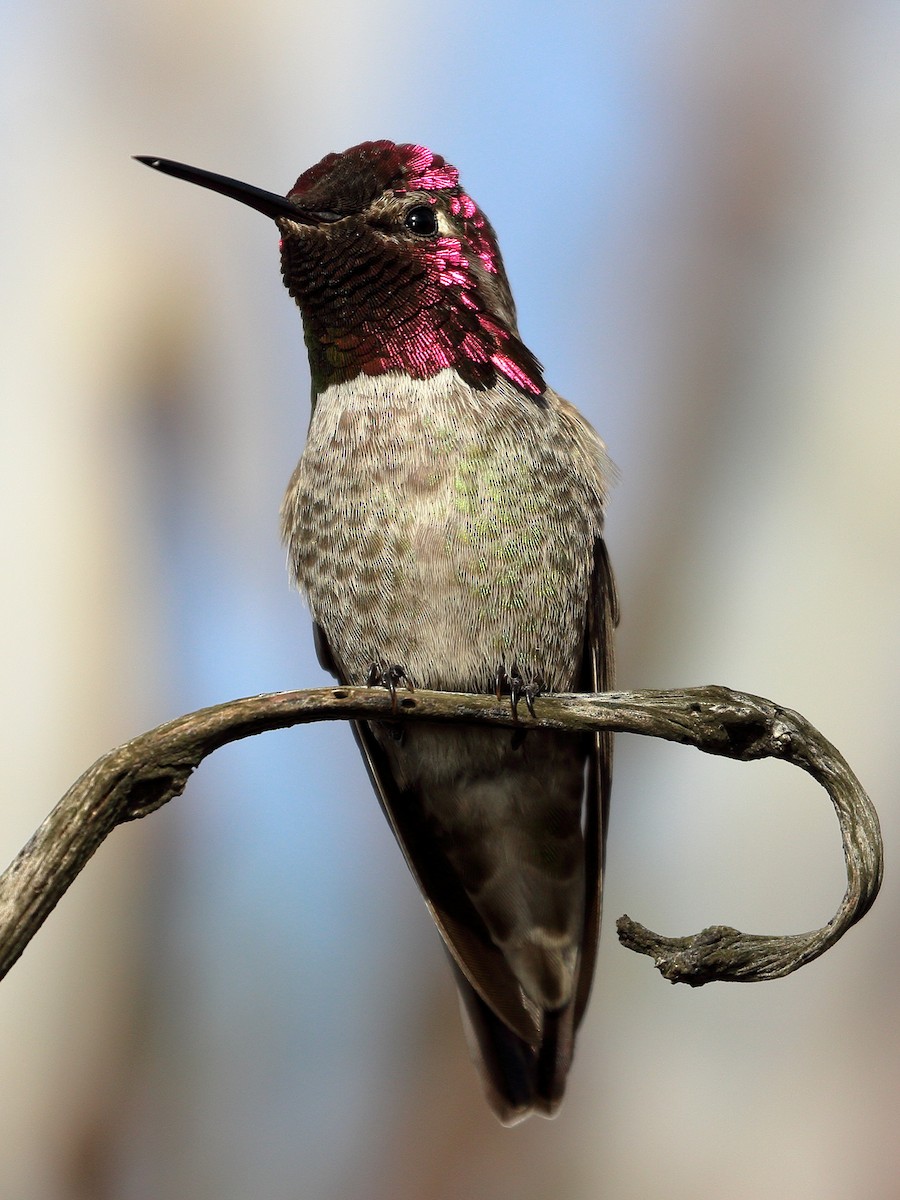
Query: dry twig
(145,773)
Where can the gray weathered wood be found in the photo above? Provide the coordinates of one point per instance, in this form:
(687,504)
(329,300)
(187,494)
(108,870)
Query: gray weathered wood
(137,778)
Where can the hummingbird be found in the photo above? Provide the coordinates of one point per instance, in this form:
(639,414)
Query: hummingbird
(445,524)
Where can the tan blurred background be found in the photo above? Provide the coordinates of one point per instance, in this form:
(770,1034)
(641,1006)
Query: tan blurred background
(698,205)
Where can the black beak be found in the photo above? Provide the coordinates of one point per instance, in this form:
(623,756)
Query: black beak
(270,203)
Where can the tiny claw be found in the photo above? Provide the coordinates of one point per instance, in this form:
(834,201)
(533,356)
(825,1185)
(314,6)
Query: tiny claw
(516,690)
(514,685)
(388,677)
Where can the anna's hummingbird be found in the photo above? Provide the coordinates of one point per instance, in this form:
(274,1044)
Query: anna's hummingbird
(445,525)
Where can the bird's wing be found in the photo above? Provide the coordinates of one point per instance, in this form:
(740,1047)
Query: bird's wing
(599,672)
(479,959)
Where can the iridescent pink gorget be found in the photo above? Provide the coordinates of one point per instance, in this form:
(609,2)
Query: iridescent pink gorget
(420,306)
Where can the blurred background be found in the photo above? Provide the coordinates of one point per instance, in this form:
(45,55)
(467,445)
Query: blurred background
(242,995)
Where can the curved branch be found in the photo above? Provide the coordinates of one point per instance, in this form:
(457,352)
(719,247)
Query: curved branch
(135,779)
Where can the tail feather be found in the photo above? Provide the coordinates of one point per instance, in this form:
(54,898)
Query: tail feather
(519,1078)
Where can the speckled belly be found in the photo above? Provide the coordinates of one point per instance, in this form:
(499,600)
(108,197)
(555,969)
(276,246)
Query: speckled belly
(447,545)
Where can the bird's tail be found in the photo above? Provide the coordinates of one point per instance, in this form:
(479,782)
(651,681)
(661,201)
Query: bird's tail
(519,1078)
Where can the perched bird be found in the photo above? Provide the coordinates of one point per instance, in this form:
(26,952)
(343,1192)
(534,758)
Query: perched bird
(445,524)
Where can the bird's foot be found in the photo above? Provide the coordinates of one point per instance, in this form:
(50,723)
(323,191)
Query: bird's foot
(388,677)
(513,684)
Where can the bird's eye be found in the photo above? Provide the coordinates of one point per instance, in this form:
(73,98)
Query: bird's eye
(422,220)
